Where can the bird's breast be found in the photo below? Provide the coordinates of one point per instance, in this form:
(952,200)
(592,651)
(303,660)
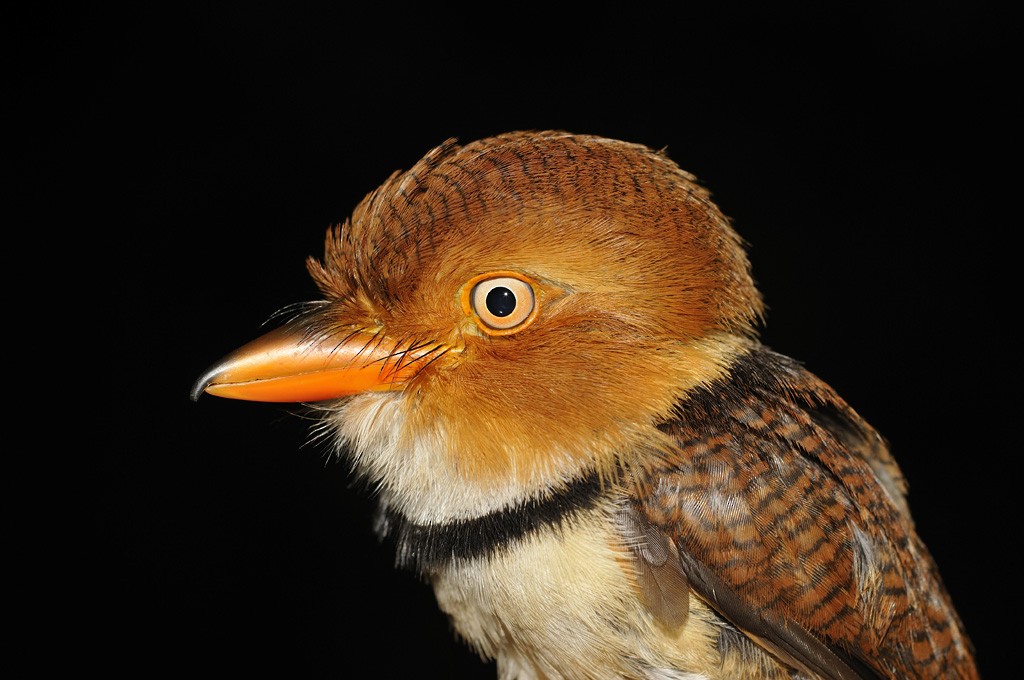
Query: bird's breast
(562,602)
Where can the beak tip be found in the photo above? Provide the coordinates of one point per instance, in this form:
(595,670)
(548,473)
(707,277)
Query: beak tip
(200,385)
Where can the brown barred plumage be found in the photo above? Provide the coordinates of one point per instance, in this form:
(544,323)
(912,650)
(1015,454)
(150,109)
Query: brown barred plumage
(771,487)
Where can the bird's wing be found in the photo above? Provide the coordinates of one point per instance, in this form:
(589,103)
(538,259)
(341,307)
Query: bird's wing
(788,515)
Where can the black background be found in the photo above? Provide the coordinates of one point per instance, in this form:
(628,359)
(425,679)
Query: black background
(193,157)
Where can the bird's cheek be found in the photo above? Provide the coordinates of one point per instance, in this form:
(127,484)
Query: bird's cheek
(468,331)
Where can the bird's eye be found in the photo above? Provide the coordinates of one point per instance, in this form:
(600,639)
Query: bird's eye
(501,304)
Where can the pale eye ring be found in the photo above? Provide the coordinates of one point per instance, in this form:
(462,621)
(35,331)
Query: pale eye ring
(503,303)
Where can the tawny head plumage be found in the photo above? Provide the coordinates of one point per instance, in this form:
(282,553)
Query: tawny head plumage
(640,285)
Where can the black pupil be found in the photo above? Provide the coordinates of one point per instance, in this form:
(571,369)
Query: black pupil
(501,301)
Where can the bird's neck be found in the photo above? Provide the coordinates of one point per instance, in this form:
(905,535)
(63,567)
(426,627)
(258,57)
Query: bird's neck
(429,547)
(425,463)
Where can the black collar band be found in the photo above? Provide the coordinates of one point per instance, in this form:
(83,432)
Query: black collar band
(426,547)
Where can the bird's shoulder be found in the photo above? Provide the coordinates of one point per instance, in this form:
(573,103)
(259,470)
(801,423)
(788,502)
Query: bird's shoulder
(789,516)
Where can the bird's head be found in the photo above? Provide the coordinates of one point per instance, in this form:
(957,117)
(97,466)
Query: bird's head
(510,311)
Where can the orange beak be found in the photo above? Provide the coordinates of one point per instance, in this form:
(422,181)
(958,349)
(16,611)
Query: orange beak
(288,365)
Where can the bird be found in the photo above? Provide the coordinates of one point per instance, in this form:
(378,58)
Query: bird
(541,352)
